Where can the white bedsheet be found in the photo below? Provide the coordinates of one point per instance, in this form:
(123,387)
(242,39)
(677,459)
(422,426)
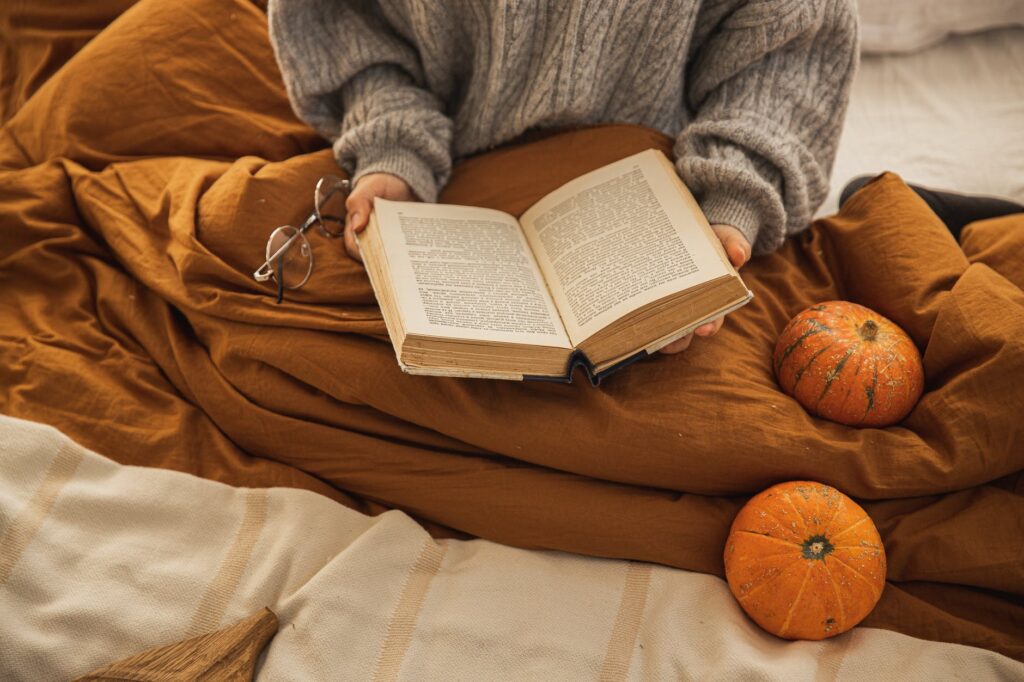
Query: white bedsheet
(948,117)
(99,561)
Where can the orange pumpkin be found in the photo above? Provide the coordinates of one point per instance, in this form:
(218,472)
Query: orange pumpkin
(804,561)
(847,363)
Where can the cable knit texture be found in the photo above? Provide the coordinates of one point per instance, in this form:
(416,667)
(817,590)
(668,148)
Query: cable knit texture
(753,91)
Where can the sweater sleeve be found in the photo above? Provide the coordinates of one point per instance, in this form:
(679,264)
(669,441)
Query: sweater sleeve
(359,84)
(768,90)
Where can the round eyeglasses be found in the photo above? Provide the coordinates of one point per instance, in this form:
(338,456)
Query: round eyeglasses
(289,253)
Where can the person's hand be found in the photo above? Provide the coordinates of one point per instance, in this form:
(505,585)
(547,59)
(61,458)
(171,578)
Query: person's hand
(738,249)
(360,203)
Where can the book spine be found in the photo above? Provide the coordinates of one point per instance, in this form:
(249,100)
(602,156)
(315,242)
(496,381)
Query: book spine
(580,359)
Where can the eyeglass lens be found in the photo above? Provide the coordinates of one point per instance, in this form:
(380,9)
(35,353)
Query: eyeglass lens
(294,266)
(329,204)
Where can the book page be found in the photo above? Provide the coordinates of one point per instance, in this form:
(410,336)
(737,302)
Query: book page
(466,273)
(618,238)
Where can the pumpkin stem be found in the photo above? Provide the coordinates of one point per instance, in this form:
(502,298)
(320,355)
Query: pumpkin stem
(868,330)
(817,547)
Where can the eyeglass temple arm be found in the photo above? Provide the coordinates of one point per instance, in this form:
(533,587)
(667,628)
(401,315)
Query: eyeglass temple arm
(267,269)
(339,186)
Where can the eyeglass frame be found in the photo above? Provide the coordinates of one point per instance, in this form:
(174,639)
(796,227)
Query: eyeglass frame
(266,271)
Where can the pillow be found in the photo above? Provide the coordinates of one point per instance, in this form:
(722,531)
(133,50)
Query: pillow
(907,25)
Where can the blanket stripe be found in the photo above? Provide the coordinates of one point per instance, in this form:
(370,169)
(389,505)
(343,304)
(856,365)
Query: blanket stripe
(20,533)
(222,588)
(403,621)
(627,623)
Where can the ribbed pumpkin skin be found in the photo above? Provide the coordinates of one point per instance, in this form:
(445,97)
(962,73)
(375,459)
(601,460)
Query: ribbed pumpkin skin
(847,363)
(784,591)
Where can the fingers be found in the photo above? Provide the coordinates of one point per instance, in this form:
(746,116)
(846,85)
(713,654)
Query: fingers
(709,329)
(360,201)
(351,246)
(357,210)
(735,244)
(359,204)
(679,345)
(357,215)
(738,250)
(704,331)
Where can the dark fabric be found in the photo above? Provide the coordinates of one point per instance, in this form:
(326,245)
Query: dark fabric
(957,211)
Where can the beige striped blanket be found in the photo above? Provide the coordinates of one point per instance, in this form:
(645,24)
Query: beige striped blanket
(99,561)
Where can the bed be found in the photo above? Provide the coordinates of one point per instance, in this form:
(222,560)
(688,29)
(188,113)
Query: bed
(946,117)
(132,325)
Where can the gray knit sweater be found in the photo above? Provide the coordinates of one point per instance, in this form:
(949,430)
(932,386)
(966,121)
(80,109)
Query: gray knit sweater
(754,92)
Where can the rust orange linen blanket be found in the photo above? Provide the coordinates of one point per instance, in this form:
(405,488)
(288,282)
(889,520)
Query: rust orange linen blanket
(138,186)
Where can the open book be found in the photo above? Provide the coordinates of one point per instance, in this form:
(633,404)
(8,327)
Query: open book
(608,268)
